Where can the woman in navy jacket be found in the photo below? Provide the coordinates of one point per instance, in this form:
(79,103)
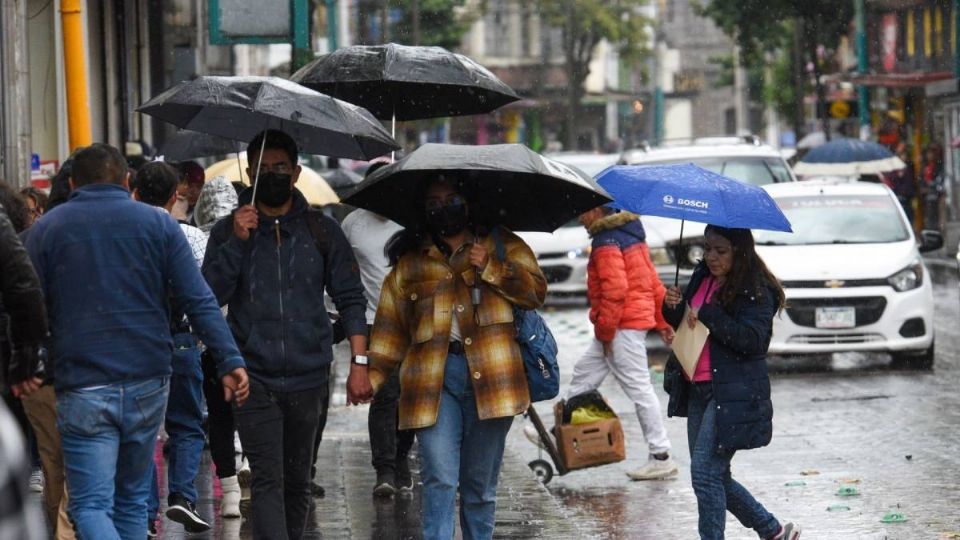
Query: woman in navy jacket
(727,401)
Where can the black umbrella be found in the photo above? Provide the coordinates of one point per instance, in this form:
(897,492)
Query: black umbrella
(186,144)
(239,108)
(406,83)
(506,184)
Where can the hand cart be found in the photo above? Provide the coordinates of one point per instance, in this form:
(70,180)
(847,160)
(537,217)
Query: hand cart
(610,449)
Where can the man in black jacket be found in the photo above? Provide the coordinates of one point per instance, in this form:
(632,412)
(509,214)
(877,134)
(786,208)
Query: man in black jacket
(270,263)
(22,298)
(23,301)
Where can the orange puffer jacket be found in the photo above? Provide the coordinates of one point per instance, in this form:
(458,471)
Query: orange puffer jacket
(622,283)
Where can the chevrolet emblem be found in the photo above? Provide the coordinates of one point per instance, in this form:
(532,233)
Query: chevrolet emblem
(833,283)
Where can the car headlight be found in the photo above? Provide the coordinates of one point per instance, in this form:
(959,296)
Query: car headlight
(582,253)
(907,279)
(695,254)
(660,256)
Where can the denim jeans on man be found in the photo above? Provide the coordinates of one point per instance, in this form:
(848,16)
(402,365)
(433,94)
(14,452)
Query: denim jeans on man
(715,488)
(460,450)
(108,434)
(183,423)
(277,430)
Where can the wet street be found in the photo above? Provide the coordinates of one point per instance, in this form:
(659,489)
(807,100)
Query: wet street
(850,421)
(854,441)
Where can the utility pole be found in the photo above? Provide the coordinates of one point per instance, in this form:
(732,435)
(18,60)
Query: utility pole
(415,15)
(863,105)
(740,105)
(385,22)
(75,75)
(799,89)
(302,50)
(15,147)
(332,25)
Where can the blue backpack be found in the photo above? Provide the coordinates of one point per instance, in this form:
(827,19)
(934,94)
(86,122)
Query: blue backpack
(537,346)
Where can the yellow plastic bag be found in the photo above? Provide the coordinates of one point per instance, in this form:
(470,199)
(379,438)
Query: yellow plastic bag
(589,414)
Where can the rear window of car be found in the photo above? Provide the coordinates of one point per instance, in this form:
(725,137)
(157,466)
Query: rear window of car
(838,219)
(757,171)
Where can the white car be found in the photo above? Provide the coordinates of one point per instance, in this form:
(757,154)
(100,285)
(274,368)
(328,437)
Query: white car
(741,158)
(563,254)
(852,273)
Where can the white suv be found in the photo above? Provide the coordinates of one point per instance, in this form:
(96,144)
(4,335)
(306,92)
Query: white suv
(852,273)
(741,158)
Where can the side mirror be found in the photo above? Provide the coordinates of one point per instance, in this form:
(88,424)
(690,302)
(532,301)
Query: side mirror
(930,241)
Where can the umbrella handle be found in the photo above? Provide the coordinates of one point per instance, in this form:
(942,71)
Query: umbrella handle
(256,180)
(475,293)
(676,277)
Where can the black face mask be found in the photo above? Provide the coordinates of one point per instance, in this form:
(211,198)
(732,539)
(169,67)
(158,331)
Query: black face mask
(273,189)
(448,220)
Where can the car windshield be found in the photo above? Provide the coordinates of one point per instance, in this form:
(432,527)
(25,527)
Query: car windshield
(758,171)
(838,219)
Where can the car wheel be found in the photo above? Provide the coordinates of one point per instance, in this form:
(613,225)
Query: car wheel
(914,360)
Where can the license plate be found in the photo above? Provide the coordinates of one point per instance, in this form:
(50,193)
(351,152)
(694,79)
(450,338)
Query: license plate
(836,317)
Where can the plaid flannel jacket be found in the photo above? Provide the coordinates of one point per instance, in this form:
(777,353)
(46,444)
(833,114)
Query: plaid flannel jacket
(412,328)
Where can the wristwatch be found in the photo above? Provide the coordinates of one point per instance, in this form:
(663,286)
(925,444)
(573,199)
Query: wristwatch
(360,360)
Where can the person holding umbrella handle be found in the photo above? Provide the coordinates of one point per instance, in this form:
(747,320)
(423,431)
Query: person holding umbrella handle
(727,400)
(270,264)
(462,378)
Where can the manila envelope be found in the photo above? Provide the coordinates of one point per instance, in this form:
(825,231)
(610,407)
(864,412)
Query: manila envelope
(688,344)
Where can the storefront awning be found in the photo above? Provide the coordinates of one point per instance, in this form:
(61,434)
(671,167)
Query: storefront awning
(901,80)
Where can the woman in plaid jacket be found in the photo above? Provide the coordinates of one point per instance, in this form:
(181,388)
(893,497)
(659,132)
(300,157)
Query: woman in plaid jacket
(461,374)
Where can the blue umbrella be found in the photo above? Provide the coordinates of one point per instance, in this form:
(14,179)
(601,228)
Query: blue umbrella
(687,192)
(848,157)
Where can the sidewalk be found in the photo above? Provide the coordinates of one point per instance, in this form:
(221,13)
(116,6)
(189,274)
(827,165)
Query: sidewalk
(525,509)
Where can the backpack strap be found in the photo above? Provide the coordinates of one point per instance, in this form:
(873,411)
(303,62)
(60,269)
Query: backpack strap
(501,251)
(318,230)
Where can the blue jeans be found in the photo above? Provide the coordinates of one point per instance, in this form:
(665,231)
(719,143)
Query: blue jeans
(715,488)
(108,435)
(460,450)
(183,423)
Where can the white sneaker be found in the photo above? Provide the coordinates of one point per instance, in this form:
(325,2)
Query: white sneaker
(655,469)
(230,503)
(788,531)
(36,481)
(533,435)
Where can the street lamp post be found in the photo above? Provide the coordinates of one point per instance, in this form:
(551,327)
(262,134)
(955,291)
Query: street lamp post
(862,67)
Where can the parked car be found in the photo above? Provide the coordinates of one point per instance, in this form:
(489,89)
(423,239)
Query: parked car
(852,273)
(741,158)
(563,254)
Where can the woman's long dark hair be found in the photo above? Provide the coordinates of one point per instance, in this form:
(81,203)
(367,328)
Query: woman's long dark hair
(748,271)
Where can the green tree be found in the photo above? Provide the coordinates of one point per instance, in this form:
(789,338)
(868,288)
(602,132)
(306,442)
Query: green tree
(431,22)
(797,29)
(584,23)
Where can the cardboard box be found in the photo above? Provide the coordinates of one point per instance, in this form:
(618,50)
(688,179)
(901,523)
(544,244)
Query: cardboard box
(589,445)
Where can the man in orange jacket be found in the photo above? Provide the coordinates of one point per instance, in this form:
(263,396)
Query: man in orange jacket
(625,296)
